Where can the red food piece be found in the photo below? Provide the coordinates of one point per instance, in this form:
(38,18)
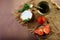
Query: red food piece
(39,31)
(41,19)
(46,29)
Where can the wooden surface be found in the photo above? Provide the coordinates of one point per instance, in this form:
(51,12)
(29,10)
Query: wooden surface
(10,28)
(54,21)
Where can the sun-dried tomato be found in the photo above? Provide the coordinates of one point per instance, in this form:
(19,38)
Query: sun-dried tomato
(41,19)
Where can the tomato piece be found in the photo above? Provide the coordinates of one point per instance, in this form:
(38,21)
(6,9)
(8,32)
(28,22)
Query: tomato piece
(46,29)
(47,25)
(41,19)
(39,31)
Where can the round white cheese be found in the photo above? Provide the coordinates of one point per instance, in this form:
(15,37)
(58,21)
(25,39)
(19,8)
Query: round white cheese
(27,14)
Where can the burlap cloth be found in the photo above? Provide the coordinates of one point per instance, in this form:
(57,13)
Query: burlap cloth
(54,21)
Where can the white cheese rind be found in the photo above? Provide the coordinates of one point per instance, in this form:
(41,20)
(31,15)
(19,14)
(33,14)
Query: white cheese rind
(27,14)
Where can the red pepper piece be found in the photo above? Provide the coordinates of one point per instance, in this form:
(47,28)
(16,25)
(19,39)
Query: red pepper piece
(46,29)
(39,31)
(41,19)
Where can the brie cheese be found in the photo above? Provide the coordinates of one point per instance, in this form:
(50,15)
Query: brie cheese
(26,15)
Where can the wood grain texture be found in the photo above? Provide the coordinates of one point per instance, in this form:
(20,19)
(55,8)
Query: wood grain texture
(54,20)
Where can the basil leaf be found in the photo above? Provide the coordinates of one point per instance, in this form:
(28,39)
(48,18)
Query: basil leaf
(26,20)
(26,7)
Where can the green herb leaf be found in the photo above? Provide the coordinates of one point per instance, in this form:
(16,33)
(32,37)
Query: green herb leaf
(26,20)
(26,7)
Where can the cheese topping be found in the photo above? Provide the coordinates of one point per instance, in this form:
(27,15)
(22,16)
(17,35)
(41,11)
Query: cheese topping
(27,14)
